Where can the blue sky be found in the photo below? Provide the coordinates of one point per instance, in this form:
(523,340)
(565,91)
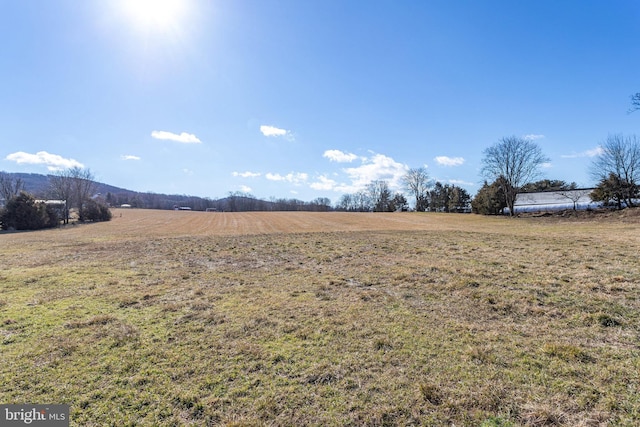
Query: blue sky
(309,98)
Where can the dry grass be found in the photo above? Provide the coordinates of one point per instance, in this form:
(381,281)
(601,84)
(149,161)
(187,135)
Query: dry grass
(187,318)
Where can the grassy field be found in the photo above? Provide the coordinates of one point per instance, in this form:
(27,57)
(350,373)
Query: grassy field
(249,319)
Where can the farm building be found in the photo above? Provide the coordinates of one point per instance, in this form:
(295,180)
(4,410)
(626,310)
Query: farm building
(555,201)
(52,202)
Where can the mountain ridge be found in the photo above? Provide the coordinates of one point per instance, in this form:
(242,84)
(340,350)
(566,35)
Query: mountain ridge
(38,185)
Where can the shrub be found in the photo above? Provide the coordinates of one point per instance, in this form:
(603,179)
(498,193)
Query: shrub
(489,200)
(94,211)
(23,213)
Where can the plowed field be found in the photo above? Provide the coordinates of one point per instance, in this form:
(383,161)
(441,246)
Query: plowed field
(146,222)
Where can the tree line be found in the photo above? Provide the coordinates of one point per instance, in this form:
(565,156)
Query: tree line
(510,166)
(427,196)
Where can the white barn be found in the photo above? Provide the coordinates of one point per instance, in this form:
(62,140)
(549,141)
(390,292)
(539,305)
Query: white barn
(555,201)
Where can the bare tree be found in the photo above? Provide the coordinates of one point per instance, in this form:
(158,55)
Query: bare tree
(620,157)
(346,202)
(517,161)
(83,185)
(75,186)
(417,183)
(380,195)
(9,186)
(362,202)
(635,102)
(61,189)
(574,195)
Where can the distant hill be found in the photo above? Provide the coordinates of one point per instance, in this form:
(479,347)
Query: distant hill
(38,185)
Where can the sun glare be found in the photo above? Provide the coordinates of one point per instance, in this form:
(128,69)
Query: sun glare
(154,14)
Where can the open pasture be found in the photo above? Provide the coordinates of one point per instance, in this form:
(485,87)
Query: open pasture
(297,318)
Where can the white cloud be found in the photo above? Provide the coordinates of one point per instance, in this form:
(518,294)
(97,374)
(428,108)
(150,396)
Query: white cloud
(533,137)
(296,178)
(245,189)
(246,174)
(183,138)
(589,153)
(187,171)
(53,162)
(339,156)
(323,183)
(129,157)
(449,161)
(272,131)
(546,165)
(595,152)
(274,177)
(379,167)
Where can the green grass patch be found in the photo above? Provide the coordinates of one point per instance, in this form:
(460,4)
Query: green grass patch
(498,323)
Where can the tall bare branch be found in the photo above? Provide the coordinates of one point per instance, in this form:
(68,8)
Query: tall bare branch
(635,102)
(514,161)
(9,186)
(417,183)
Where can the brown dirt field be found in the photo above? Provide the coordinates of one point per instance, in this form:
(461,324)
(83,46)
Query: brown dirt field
(242,223)
(138,224)
(164,223)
